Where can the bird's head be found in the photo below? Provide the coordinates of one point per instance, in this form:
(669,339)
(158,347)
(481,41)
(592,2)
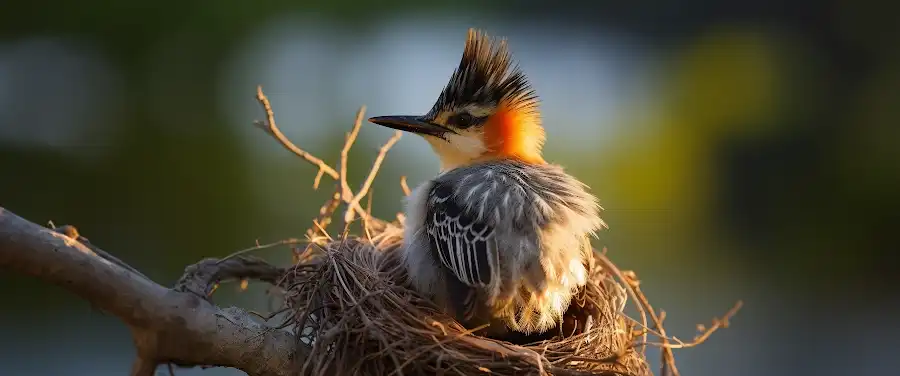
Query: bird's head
(487,111)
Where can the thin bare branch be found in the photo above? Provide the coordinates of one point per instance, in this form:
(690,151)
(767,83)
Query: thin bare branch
(705,332)
(258,246)
(376,165)
(318,179)
(272,129)
(346,193)
(365,220)
(369,203)
(668,357)
(404,186)
(630,286)
(320,224)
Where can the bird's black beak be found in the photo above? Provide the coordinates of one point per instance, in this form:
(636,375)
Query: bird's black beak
(415,124)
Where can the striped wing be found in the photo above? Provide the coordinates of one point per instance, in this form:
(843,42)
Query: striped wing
(466,248)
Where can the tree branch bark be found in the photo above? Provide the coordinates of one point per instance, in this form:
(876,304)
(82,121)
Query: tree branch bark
(179,325)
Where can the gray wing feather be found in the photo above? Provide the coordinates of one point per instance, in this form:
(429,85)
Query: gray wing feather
(463,244)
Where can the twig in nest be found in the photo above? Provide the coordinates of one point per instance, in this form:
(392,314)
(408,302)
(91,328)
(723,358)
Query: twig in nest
(202,276)
(365,222)
(369,204)
(318,179)
(346,194)
(320,224)
(704,332)
(668,357)
(668,366)
(270,127)
(630,286)
(644,308)
(262,246)
(367,184)
(404,187)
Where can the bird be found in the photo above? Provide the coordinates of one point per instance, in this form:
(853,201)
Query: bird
(500,239)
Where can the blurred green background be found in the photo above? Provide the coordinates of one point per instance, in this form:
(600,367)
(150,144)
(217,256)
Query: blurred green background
(742,150)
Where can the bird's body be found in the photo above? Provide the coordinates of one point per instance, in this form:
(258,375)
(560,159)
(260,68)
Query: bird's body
(501,241)
(500,236)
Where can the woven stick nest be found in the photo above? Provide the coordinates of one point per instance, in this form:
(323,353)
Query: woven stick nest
(350,303)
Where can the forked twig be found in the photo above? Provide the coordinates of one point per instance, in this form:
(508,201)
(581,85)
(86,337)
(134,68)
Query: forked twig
(272,129)
(348,216)
(704,332)
(346,194)
(668,357)
(628,282)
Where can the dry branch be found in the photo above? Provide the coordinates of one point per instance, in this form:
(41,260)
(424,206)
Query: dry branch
(270,127)
(345,152)
(168,325)
(367,184)
(404,186)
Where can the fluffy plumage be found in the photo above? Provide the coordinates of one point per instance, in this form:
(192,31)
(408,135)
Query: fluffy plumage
(510,241)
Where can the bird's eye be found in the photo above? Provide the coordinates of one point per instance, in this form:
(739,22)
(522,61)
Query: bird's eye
(463,120)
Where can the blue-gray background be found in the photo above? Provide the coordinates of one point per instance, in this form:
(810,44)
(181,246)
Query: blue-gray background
(743,150)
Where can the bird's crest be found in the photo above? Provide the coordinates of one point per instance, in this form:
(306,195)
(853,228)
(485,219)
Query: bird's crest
(486,76)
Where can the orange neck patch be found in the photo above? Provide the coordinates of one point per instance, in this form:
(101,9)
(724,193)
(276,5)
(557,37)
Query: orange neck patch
(510,134)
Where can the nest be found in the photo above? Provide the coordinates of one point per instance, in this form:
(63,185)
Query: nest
(351,304)
(352,309)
